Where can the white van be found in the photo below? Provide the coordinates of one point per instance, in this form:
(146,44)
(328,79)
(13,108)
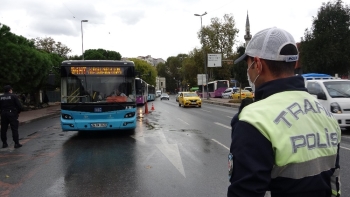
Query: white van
(158,93)
(334,95)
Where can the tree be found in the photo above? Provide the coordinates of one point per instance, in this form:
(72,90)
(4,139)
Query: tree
(9,56)
(49,45)
(145,71)
(325,48)
(101,54)
(22,65)
(162,70)
(219,37)
(239,70)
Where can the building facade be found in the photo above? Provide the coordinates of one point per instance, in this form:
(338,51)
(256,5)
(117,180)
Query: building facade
(161,84)
(151,60)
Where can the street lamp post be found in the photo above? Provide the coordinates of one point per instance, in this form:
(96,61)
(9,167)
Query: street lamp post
(205,67)
(82,40)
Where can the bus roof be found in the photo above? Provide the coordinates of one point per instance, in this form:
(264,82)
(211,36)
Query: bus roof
(315,75)
(97,63)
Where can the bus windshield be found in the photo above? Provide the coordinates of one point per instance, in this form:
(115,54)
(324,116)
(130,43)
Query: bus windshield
(96,88)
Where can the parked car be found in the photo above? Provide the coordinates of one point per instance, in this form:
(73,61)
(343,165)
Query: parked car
(249,89)
(187,99)
(244,94)
(177,96)
(228,92)
(164,96)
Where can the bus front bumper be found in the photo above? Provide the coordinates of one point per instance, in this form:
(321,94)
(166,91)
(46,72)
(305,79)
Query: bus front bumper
(102,124)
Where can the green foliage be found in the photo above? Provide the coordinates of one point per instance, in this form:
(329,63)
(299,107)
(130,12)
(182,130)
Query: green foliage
(24,66)
(219,37)
(49,45)
(162,70)
(325,48)
(145,71)
(240,69)
(101,54)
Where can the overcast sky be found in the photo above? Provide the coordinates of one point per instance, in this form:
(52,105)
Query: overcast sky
(160,28)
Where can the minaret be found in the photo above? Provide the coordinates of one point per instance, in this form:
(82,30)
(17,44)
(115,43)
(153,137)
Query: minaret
(247,35)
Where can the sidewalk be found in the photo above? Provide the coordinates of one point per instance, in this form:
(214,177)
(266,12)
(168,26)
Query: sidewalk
(37,114)
(220,101)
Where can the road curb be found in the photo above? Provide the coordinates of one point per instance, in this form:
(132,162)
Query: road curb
(223,104)
(40,118)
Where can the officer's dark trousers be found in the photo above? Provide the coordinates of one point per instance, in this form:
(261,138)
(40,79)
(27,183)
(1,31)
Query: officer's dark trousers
(9,117)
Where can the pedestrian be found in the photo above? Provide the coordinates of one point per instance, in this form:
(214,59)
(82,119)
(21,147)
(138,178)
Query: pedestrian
(284,142)
(10,108)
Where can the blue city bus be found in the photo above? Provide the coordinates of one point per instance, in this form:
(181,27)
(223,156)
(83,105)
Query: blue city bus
(98,95)
(151,92)
(141,91)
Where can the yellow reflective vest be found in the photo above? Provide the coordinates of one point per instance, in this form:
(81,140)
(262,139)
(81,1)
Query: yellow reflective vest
(304,135)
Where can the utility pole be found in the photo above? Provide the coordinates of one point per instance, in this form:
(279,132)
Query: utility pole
(205,62)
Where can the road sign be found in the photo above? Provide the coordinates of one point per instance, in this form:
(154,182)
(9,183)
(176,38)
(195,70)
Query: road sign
(214,60)
(201,79)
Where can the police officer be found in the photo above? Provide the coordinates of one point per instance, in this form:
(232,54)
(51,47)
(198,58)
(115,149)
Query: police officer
(10,108)
(285,141)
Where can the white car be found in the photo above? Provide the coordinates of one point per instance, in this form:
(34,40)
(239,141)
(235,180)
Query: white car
(228,92)
(164,96)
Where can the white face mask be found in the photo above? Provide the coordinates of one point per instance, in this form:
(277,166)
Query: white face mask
(252,84)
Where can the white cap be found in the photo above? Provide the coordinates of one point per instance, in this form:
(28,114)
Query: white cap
(267,44)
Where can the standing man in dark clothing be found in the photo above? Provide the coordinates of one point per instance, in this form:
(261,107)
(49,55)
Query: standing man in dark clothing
(285,141)
(10,108)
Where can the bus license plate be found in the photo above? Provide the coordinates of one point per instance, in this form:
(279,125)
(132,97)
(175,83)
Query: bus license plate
(99,125)
(98,109)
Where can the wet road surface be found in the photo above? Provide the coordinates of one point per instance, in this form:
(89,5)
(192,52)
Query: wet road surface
(174,151)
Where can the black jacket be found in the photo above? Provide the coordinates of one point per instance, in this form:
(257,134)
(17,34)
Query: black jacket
(253,157)
(11,102)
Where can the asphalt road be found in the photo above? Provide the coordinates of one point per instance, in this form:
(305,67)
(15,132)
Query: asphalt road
(175,151)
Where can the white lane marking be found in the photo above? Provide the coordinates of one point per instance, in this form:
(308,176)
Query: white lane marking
(222,125)
(205,110)
(182,121)
(345,137)
(171,151)
(344,148)
(229,116)
(220,144)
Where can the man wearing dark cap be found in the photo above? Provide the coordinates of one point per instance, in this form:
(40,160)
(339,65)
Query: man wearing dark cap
(285,141)
(10,108)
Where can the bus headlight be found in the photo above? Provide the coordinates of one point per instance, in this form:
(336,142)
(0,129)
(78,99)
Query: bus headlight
(67,116)
(335,108)
(129,115)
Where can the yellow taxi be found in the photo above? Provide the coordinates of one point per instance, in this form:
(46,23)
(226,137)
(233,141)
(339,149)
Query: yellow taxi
(242,95)
(187,99)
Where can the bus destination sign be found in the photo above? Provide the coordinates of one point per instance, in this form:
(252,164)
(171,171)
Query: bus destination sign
(96,70)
